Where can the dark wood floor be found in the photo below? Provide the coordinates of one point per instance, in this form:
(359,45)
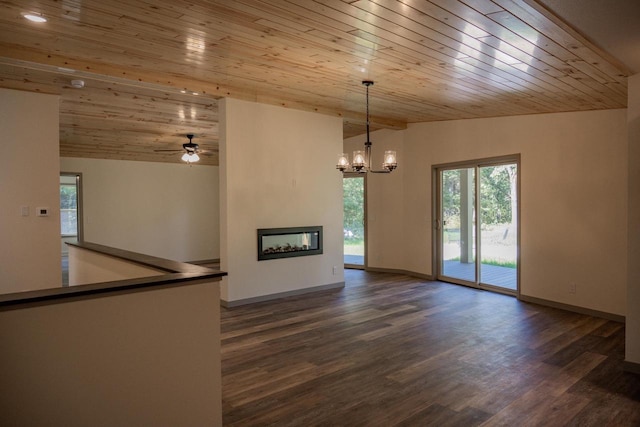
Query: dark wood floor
(392,350)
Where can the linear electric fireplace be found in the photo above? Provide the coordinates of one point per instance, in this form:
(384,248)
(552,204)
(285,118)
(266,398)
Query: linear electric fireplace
(289,242)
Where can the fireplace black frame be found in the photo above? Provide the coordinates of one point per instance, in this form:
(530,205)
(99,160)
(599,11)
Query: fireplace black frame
(315,231)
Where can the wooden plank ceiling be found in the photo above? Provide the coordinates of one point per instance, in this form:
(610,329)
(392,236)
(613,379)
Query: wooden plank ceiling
(430,60)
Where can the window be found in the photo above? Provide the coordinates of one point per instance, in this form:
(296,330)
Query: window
(68,209)
(354,220)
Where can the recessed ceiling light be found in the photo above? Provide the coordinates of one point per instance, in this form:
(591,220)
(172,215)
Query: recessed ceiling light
(183,91)
(35,17)
(196,93)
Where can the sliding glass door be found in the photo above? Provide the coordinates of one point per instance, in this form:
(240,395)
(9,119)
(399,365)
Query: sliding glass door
(478,224)
(498,231)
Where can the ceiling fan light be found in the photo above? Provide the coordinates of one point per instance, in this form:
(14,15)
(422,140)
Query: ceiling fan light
(190,157)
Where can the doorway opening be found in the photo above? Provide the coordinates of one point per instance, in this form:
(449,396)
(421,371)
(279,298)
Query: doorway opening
(477,223)
(71,229)
(353,186)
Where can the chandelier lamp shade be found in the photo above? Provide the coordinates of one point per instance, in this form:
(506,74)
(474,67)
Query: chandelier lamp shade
(362,158)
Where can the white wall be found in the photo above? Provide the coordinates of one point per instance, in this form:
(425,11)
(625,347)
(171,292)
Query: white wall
(29,176)
(277,169)
(633,285)
(573,199)
(160,209)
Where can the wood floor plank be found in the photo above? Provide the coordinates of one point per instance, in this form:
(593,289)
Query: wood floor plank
(391,350)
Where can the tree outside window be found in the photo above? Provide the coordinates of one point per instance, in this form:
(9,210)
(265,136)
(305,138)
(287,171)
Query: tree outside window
(68,210)
(353,196)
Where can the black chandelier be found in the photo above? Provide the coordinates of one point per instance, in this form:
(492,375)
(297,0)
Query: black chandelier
(362,158)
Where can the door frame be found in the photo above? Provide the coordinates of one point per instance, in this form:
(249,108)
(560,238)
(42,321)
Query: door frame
(351,175)
(80,212)
(436,202)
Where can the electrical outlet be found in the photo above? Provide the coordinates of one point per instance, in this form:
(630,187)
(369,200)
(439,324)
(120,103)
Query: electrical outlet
(572,288)
(335,270)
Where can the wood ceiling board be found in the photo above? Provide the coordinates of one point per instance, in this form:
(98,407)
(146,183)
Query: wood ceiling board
(431,60)
(121,121)
(507,77)
(539,17)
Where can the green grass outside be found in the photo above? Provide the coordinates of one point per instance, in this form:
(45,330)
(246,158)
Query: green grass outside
(500,263)
(496,262)
(354,247)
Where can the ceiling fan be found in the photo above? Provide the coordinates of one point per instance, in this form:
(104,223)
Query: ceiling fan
(191,151)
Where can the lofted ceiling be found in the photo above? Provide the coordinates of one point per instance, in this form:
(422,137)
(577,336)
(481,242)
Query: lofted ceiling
(154,69)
